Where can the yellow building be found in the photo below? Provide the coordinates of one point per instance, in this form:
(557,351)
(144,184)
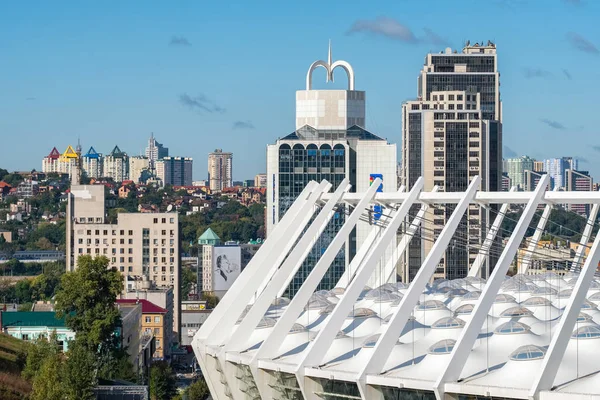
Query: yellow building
(153,323)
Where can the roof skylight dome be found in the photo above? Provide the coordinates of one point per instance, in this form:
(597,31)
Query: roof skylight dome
(280,301)
(371,341)
(464,309)
(361,313)
(528,352)
(504,298)
(587,332)
(515,312)
(587,305)
(511,327)
(456,293)
(298,328)
(442,347)
(536,302)
(266,323)
(563,294)
(448,323)
(338,291)
(474,295)
(431,305)
(544,291)
(387,297)
(583,317)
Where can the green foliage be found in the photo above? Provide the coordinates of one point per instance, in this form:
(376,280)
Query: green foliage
(162,381)
(197,390)
(3,173)
(188,277)
(23,291)
(79,372)
(13,179)
(87,298)
(561,224)
(211,300)
(50,235)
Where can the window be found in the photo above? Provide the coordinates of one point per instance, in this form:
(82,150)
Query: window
(172,220)
(122,241)
(148,319)
(450,106)
(121,259)
(156,331)
(121,251)
(105,232)
(459,106)
(122,232)
(130,260)
(157,343)
(435,97)
(25,336)
(164,220)
(157,320)
(122,269)
(80,241)
(441,97)
(155,220)
(130,251)
(130,268)
(459,97)
(89,232)
(130,241)
(163,232)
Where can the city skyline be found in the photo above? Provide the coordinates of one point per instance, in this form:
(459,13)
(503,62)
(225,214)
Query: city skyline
(140,78)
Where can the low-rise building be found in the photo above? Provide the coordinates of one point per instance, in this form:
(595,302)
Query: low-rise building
(131,332)
(29,325)
(193,314)
(153,322)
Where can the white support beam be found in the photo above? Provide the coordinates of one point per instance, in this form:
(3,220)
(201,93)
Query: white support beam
(292,264)
(319,346)
(553,197)
(271,345)
(470,332)
(533,242)
(390,267)
(562,333)
(489,240)
(585,238)
(391,331)
(241,294)
(259,258)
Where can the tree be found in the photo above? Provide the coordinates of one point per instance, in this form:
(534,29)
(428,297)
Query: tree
(3,173)
(79,375)
(188,278)
(44,244)
(23,291)
(211,300)
(44,367)
(87,298)
(162,381)
(197,390)
(13,179)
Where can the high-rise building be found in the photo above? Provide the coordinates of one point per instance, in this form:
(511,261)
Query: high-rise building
(538,166)
(556,167)
(516,168)
(506,182)
(260,180)
(450,134)
(64,163)
(92,163)
(176,171)
(220,170)
(531,180)
(138,168)
(138,244)
(578,181)
(116,165)
(155,151)
(475,69)
(330,142)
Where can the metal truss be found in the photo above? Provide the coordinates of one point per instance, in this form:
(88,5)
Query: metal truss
(239,363)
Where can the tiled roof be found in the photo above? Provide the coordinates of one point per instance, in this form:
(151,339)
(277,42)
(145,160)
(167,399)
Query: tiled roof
(147,306)
(32,318)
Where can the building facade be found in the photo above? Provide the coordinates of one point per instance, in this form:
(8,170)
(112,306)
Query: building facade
(153,322)
(58,163)
(450,134)
(220,170)
(175,171)
(578,181)
(138,168)
(138,245)
(516,168)
(116,165)
(260,180)
(155,151)
(92,163)
(556,168)
(330,143)
(29,325)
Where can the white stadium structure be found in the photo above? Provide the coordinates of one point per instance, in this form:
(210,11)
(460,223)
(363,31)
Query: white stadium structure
(535,335)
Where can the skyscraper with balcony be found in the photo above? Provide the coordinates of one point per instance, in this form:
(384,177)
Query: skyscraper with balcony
(92,163)
(116,165)
(220,170)
(329,142)
(451,133)
(578,181)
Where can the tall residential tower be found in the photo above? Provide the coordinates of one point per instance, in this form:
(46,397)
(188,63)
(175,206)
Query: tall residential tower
(220,170)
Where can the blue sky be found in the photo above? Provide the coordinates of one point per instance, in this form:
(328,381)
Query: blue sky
(203,75)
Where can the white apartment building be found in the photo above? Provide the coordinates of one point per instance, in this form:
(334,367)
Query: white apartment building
(220,170)
(137,165)
(138,244)
(116,165)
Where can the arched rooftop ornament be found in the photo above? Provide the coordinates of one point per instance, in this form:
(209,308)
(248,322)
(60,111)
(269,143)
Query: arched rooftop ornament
(330,67)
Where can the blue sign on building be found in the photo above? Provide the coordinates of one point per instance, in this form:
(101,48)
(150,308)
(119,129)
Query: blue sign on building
(377,209)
